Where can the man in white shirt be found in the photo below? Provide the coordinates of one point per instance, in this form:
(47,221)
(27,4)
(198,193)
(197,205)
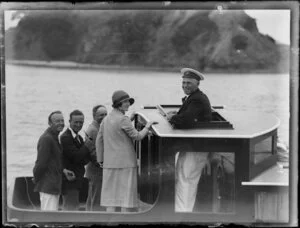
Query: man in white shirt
(76,154)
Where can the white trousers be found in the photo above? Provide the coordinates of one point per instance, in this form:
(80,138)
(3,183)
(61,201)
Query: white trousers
(189,167)
(49,202)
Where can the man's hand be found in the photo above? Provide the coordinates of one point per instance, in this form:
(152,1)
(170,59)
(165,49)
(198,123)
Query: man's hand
(70,175)
(98,164)
(171,114)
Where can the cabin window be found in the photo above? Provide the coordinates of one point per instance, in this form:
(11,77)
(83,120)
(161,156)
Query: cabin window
(216,187)
(263,150)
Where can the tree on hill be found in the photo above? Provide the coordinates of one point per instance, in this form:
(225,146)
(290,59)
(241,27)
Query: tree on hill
(201,39)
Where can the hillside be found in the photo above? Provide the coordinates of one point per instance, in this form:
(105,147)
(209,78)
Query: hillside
(205,40)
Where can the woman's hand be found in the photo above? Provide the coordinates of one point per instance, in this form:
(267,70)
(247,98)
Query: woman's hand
(132,116)
(150,123)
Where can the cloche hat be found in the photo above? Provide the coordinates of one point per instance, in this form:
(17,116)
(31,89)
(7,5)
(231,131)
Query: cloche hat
(120,96)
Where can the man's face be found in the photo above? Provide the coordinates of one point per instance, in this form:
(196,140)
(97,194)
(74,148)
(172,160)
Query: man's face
(57,122)
(100,114)
(189,85)
(76,122)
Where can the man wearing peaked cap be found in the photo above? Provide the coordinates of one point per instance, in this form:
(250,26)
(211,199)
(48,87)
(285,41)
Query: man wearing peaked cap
(195,108)
(191,73)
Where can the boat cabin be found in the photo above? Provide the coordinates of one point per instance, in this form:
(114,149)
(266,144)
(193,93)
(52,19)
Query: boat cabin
(237,184)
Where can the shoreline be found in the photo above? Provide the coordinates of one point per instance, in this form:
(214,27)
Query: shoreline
(74,65)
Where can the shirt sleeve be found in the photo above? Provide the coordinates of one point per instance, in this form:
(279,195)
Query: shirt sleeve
(44,148)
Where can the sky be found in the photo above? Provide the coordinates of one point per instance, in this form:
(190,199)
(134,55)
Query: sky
(275,23)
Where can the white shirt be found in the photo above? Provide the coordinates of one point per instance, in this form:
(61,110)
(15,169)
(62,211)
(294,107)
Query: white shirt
(73,133)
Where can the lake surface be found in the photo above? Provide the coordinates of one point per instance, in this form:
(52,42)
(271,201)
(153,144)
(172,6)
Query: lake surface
(32,93)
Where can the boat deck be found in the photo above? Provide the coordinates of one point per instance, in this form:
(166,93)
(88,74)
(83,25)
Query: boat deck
(245,125)
(274,176)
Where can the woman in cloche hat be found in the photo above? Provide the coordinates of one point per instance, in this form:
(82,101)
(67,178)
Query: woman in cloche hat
(115,148)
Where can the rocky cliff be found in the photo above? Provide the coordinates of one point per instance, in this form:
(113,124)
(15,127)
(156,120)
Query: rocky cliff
(205,40)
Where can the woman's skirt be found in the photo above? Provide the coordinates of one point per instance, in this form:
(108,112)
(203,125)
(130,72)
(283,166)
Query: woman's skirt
(119,187)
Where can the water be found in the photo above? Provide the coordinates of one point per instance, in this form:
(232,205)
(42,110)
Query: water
(32,93)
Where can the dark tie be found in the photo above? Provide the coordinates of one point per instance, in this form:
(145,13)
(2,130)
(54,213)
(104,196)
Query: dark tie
(184,99)
(78,138)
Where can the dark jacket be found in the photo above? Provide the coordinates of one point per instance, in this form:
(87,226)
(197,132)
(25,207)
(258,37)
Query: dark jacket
(48,167)
(196,108)
(75,156)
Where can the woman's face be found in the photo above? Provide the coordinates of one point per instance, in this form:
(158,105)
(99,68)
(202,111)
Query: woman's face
(125,106)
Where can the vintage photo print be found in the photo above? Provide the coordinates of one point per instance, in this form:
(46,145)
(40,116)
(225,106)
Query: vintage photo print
(150,113)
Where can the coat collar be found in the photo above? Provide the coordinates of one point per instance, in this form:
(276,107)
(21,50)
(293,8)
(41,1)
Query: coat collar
(77,143)
(72,132)
(52,132)
(117,112)
(188,96)
(185,103)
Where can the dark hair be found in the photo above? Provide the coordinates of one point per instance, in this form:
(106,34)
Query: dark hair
(96,108)
(76,113)
(116,105)
(51,114)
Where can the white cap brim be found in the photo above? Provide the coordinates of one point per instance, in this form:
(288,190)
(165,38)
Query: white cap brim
(183,70)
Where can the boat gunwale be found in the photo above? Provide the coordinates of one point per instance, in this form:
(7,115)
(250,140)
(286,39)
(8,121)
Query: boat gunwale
(11,206)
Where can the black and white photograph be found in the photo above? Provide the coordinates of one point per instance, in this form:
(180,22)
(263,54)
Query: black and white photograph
(150,113)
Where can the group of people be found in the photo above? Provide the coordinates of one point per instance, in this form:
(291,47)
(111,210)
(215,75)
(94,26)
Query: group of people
(107,156)
(64,159)
(60,165)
